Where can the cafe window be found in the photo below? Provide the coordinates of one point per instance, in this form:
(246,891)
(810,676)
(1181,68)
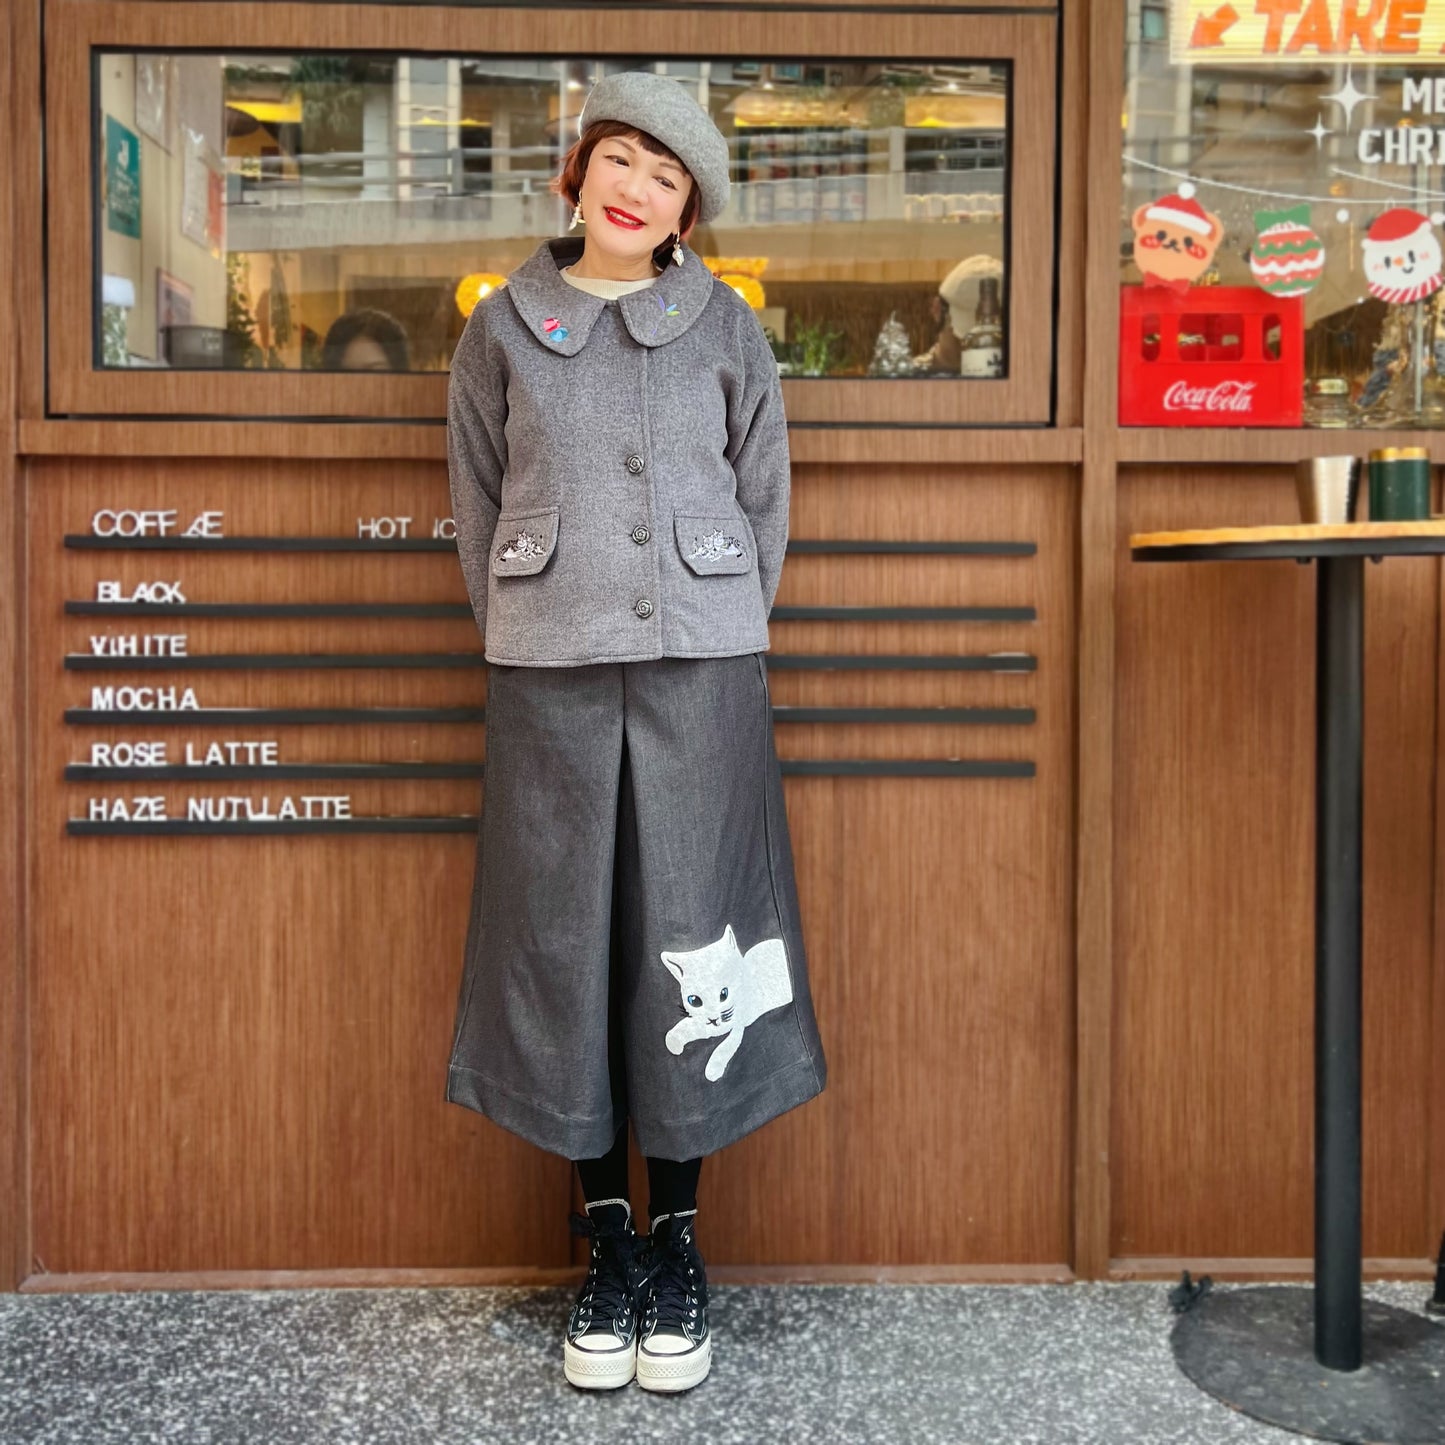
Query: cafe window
(1284,209)
(298,226)
(344,212)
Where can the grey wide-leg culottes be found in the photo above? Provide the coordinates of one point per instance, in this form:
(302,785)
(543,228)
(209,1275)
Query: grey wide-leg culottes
(634,949)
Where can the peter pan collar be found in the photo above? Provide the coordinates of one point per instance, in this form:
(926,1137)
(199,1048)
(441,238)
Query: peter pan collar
(561,317)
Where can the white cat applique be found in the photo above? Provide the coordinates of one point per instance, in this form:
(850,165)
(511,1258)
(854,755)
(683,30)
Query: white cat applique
(724,990)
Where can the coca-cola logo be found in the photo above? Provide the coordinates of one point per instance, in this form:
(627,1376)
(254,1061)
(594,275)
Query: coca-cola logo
(1223,396)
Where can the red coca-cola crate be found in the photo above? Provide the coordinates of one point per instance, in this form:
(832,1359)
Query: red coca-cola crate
(1210,356)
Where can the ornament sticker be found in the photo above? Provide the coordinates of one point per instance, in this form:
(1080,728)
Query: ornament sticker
(1402,257)
(1175,239)
(1288,257)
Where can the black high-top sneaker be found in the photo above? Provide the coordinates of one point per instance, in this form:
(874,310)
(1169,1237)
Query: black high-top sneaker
(674,1349)
(601,1348)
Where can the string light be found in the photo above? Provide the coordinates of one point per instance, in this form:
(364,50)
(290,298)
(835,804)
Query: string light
(1252,190)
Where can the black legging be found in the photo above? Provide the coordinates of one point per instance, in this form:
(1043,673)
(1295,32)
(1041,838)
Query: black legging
(671,1186)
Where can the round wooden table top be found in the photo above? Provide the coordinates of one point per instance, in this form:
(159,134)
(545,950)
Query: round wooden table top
(1350,539)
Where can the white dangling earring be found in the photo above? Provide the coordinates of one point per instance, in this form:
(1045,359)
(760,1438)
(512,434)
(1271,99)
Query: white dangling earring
(677,250)
(576,216)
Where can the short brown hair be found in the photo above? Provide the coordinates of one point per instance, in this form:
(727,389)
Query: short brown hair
(574,165)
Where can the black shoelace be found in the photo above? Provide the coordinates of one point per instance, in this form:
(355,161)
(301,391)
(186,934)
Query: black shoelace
(610,1283)
(679,1288)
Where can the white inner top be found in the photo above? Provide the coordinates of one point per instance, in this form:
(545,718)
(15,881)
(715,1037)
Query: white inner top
(598,286)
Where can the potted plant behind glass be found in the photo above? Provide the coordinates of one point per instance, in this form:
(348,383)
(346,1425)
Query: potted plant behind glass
(813,347)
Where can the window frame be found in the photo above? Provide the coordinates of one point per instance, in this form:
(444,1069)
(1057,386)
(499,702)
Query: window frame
(75,29)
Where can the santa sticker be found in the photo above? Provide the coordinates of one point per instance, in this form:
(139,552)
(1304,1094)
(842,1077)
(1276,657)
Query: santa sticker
(1175,239)
(1402,257)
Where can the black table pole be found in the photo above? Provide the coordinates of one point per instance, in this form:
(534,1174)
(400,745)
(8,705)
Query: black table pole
(1339,722)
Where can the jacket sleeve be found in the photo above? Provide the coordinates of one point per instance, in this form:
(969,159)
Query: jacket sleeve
(476,453)
(758,451)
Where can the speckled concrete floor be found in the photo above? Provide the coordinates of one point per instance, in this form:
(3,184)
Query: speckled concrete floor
(968,1365)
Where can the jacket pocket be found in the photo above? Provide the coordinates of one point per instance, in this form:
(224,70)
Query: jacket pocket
(524,542)
(712,545)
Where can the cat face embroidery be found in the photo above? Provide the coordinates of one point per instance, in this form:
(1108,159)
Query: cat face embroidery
(723,991)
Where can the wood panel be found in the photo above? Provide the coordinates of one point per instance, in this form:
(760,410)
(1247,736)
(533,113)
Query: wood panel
(1435,1139)
(1076,176)
(1094,835)
(1214,811)
(274,1024)
(1028,41)
(14,1182)
(972,445)
(937,919)
(240,1044)
(884,6)
(1249,446)
(25,193)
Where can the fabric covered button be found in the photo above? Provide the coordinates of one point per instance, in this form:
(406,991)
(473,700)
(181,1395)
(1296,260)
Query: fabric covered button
(635,464)
(641,534)
(643,607)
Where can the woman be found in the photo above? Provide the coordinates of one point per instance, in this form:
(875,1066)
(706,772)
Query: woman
(619,476)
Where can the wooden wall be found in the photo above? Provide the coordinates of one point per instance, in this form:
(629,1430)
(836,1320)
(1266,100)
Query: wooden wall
(1214,887)
(14,1178)
(1066,1014)
(247,1036)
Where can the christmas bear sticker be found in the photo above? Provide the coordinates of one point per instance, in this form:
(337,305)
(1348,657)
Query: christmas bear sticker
(1175,239)
(1402,257)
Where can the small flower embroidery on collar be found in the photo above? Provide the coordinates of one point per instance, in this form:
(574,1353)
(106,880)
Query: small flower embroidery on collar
(553,329)
(668,309)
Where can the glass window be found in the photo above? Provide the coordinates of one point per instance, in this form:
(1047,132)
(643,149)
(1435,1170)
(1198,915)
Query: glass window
(344,211)
(1284,194)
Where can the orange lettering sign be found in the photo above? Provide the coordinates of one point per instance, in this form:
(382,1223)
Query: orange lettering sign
(1402,27)
(1316,29)
(1357,32)
(1283,32)
(1276,12)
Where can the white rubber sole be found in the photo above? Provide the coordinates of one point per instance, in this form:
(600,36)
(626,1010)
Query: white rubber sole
(592,1370)
(674,1372)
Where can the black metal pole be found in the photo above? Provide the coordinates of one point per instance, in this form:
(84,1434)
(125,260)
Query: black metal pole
(1339,722)
(1436,1303)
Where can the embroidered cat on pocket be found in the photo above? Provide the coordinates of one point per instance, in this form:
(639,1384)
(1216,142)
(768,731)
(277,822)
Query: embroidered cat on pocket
(725,990)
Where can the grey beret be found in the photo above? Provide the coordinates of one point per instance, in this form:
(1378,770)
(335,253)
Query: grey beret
(660,106)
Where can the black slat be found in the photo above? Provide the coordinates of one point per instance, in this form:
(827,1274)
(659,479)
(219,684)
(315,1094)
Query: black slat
(85,541)
(974,716)
(782,713)
(462,609)
(268,609)
(175,772)
(83,827)
(296,661)
(888,767)
(907,768)
(808,547)
(267,661)
(903,614)
(199,772)
(248,716)
(905,662)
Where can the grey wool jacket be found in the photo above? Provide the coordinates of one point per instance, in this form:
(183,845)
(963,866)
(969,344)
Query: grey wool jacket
(619,469)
